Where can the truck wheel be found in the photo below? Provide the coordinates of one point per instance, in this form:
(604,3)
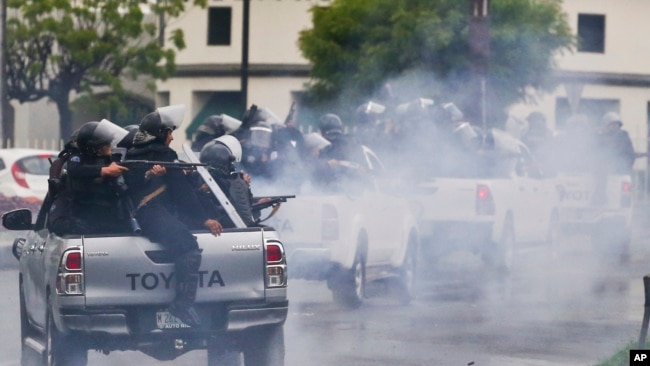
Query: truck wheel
(405,282)
(503,255)
(264,346)
(60,349)
(28,356)
(349,290)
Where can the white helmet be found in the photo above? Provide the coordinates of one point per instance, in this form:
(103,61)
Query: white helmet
(232,144)
(610,117)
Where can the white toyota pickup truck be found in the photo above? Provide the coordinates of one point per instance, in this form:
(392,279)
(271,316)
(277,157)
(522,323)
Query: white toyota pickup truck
(111,292)
(351,239)
(490,215)
(603,214)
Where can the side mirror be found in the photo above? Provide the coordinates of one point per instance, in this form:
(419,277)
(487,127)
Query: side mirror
(20,219)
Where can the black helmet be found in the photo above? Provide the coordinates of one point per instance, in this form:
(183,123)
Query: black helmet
(127,141)
(213,126)
(330,126)
(152,124)
(90,139)
(218,157)
(156,124)
(93,135)
(368,113)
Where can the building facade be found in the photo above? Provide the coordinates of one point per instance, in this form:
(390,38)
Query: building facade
(608,71)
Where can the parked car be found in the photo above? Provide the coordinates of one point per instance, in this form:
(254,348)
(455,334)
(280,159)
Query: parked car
(24,172)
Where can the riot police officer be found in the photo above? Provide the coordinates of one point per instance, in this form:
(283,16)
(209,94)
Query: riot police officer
(344,156)
(162,196)
(214,126)
(221,166)
(90,201)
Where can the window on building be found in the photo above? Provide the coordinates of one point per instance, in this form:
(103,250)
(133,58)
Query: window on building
(591,33)
(219,24)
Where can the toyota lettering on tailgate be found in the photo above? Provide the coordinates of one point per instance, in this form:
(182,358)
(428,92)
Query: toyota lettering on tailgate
(575,195)
(151,281)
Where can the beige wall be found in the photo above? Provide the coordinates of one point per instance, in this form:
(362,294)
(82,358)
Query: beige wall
(274,31)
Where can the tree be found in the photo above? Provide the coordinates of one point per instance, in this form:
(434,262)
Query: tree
(56,47)
(356,46)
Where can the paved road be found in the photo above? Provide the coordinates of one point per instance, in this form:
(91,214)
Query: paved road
(567,309)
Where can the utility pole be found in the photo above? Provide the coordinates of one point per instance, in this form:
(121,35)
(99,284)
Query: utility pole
(479,42)
(244,54)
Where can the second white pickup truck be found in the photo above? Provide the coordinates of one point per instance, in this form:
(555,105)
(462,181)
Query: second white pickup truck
(603,214)
(490,215)
(351,239)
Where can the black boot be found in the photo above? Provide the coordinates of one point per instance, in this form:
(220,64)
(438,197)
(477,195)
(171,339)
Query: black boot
(182,307)
(187,280)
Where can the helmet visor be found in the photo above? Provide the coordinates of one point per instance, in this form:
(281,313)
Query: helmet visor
(231,124)
(172,116)
(261,137)
(109,131)
(374,108)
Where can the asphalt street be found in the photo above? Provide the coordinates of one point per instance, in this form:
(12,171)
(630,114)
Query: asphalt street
(567,307)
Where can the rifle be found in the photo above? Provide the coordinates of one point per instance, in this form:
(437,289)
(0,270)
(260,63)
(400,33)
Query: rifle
(135,226)
(274,201)
(165,164)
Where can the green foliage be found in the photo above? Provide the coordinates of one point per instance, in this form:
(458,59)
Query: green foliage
(422,48)
(621,357)
(55,47)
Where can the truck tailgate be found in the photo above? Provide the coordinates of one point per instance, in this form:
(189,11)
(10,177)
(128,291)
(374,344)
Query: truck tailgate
(446,199)
(133,271)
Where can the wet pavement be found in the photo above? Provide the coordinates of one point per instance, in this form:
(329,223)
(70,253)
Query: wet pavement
(568,307)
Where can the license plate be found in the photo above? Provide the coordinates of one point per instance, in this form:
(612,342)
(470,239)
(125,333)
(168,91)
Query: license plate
(165,320)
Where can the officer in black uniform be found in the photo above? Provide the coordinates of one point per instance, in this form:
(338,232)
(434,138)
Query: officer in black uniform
(161,195)
(221,166)
(344,156)
(90,201)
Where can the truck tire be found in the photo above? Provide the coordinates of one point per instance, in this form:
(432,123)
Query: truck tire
(502,255)
(349,290)
(403,285)
(28,356)
(61,349)
(264,346)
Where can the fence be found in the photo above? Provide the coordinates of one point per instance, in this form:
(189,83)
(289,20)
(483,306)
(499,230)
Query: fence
(45,144)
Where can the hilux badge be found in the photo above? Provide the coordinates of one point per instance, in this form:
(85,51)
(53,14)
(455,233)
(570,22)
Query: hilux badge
(244,247)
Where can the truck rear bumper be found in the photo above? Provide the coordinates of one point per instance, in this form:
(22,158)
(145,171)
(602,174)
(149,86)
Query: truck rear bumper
(457,233)
(141,320)
(584,220)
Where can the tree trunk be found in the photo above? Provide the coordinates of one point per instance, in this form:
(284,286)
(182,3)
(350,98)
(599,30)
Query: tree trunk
(65,115)
(8,126)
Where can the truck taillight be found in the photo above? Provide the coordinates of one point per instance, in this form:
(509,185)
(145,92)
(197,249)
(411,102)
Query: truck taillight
(330,223)
(70,279)
(626,194)
(276,265)
(273,253)
(73,261)
(484,200)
